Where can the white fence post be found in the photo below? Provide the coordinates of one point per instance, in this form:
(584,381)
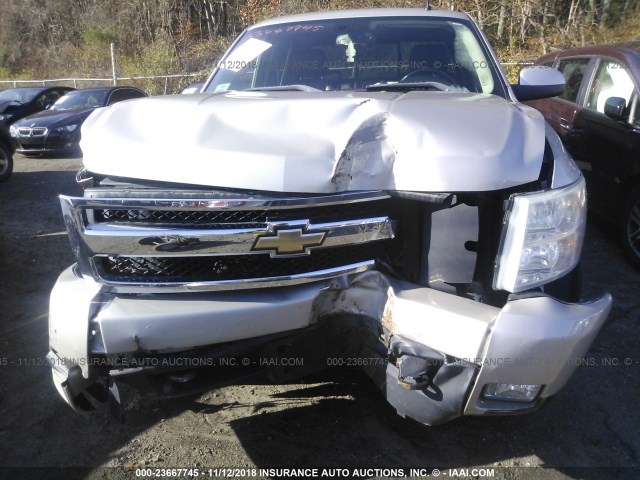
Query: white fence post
(114,66)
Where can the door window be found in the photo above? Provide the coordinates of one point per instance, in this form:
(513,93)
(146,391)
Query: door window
(611,80)
(47,99)
(634,115)
(572,70)
(124,94)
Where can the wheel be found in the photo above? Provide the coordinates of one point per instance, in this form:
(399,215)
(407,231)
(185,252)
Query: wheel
(6,163)
(631,227)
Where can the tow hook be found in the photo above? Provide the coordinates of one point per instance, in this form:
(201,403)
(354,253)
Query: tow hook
(413,372)
(417,365)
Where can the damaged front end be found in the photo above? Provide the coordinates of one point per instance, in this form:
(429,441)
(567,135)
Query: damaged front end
(355,188)
(176,290)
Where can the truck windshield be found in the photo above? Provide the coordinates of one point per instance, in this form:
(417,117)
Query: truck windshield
(360,53)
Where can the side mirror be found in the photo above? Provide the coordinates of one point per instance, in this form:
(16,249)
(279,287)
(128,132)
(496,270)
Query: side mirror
(47,104)
(538,82)
(614,107)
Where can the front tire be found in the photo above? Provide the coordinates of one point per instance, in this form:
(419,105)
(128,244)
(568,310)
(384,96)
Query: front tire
(6,163)
(631,227)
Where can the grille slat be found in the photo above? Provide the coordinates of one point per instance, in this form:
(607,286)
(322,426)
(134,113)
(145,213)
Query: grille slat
(244,218)
(232,267)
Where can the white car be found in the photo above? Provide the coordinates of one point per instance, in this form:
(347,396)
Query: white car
(353,188)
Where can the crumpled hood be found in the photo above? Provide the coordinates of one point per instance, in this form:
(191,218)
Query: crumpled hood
(320,142)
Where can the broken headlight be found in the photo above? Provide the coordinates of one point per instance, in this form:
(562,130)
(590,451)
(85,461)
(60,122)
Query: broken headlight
(542,238)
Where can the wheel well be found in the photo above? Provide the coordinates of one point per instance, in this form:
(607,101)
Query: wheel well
(629,185)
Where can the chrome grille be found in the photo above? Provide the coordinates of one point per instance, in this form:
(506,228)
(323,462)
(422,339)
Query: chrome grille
(32,132)
(173,244)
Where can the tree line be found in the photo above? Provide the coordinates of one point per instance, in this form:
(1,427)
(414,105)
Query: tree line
(43,38)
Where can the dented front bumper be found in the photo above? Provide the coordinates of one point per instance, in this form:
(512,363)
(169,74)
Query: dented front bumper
(431,353)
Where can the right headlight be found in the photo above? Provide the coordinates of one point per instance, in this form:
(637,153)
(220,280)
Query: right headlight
(66,128)
(542,237)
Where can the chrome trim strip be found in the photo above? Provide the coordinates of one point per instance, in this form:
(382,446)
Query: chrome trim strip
(203,200)
(109,239)
(244,284)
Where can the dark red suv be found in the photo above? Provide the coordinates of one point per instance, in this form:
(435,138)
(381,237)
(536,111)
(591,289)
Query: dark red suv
(598,118)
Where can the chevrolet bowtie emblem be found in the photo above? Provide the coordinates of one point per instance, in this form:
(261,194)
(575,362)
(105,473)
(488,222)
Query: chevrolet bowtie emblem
(289,241)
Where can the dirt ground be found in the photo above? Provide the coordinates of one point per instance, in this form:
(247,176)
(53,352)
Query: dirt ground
(334,420)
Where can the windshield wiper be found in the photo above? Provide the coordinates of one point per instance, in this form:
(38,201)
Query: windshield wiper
(284,88)
(409,86)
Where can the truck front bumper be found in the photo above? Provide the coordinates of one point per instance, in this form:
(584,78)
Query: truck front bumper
(433,354)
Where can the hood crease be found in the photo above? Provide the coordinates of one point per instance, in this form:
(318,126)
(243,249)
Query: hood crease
(320,142)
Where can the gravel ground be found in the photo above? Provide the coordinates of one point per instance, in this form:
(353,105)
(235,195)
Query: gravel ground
(333,420)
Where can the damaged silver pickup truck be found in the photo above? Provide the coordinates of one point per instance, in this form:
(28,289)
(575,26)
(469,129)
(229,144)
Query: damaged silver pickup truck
(350,188)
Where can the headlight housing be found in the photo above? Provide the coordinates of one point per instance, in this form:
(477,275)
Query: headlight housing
(542,237)
(13,131)
(66,128)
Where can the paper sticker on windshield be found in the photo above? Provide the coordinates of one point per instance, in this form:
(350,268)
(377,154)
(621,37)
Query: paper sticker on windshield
(289,28)
(244,55)
(223,87)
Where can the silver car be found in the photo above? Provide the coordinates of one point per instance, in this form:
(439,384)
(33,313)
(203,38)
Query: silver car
(353,188)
